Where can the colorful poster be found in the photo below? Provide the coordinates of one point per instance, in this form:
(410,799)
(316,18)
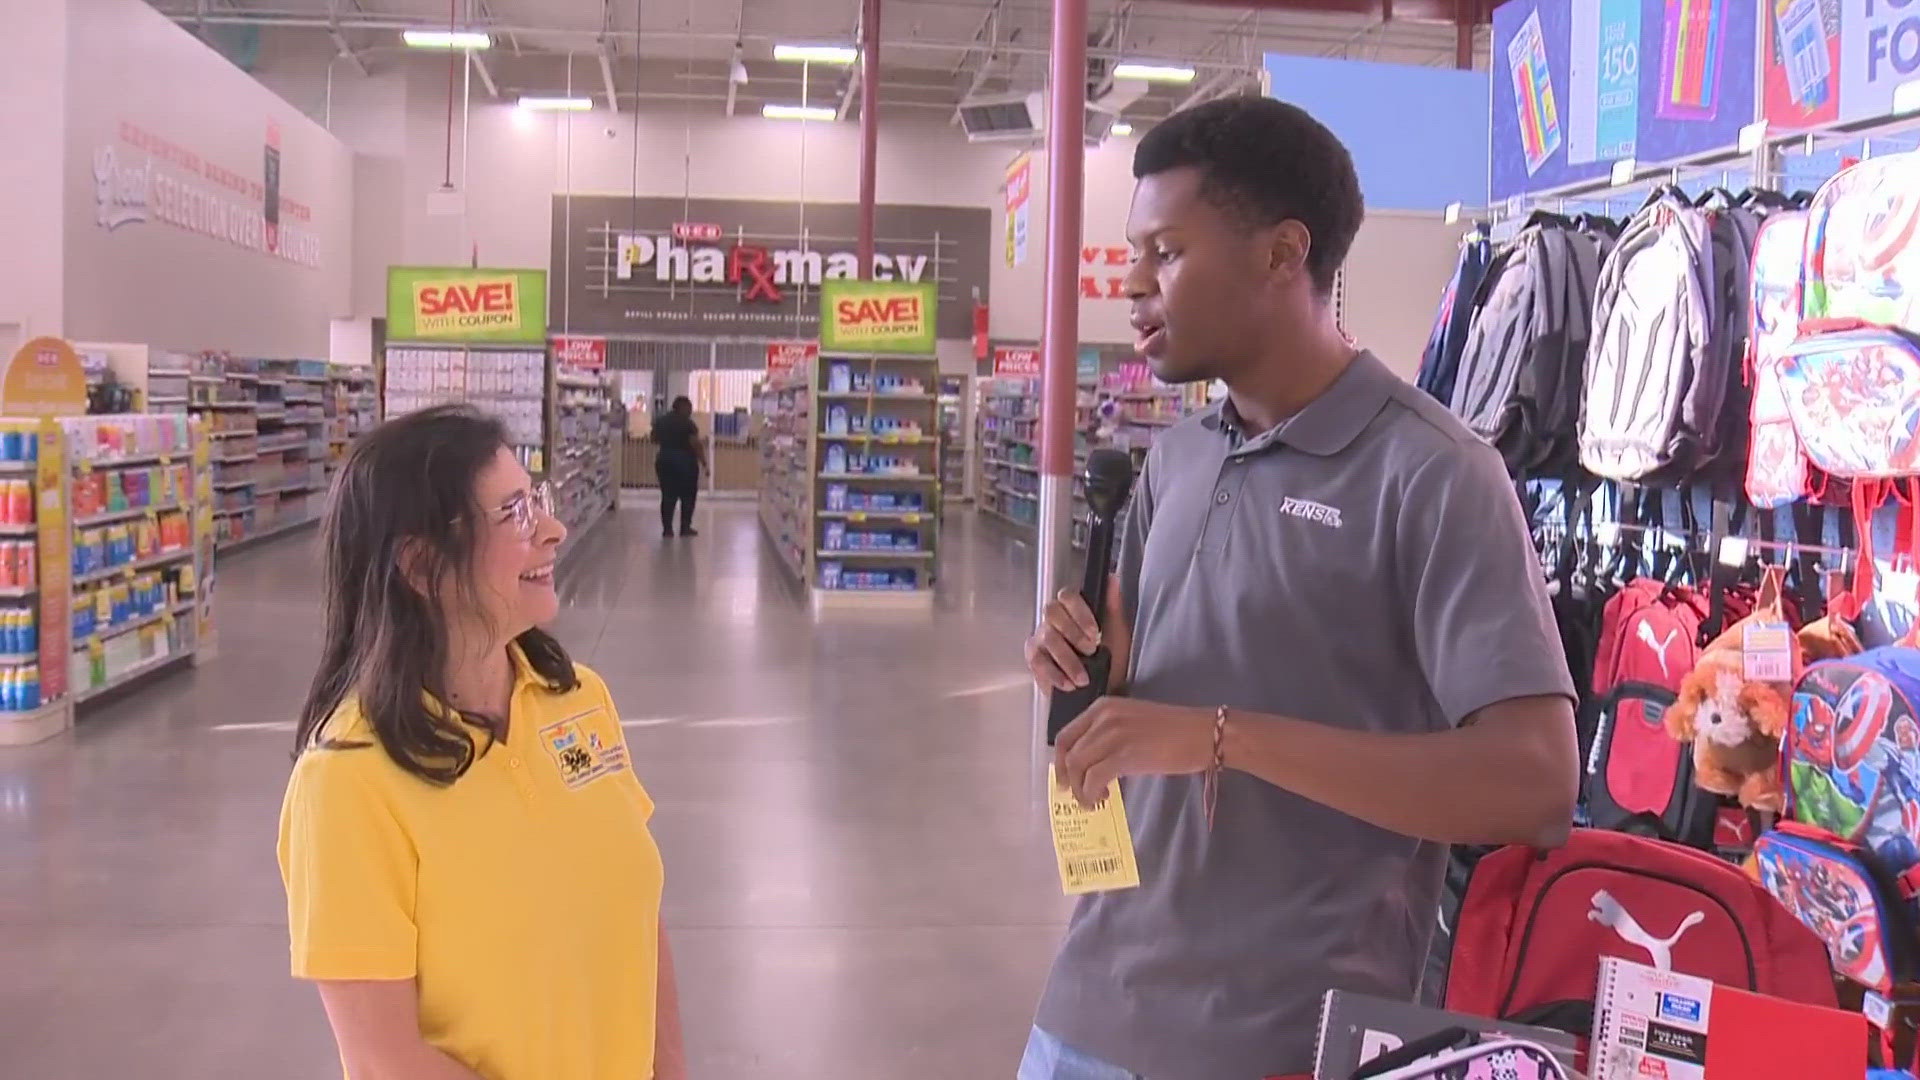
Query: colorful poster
(1596,81)
(1802,76)
(1838,61)
(1019,211)
(1533,97)
(1691,59)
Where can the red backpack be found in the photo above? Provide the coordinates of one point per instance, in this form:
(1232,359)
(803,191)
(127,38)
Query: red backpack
(1534,925)
(1639,778)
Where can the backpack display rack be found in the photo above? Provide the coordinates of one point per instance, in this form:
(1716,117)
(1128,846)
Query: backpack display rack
(1711,413)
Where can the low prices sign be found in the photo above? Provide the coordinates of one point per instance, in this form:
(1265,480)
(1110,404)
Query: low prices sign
(1016,363)
(785,356)
(588,353)
(457,304)
(878,316)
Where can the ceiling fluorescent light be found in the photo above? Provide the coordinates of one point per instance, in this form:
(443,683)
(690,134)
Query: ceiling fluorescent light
(556,104)
(447,39)
(1153,72)
(798,112)
(1121,129)
(816,54)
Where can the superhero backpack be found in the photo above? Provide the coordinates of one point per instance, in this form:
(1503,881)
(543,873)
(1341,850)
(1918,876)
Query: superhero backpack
(1850,381)
(1535,923)
(1846,859)
(1776,466)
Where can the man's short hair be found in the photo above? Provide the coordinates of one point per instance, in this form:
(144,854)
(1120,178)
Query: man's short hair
(1265,161)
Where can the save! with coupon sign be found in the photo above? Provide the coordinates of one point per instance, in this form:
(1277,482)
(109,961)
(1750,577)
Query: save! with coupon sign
(878,316)
(458,304)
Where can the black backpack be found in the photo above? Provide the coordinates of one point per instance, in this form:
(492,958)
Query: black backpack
(1518,384)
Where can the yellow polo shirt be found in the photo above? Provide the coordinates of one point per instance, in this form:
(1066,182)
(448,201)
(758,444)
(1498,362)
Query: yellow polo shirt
(524,898)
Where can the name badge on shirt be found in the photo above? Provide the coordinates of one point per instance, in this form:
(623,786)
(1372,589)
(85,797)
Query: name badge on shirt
(1094,847)
(579,751)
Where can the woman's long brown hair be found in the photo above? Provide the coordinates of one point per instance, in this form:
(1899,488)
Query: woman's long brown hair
(408,487)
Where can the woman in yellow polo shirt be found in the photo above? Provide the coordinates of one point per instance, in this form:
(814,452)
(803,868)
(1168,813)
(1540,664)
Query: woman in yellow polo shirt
(470,878)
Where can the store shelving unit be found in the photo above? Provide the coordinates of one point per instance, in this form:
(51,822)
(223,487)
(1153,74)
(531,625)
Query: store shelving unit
(586,425)
(1123,407)
(850,477)
(109,570)
(955,393)
(1008,488)
(353,409)
(509,381)
(266,421)
(783,422)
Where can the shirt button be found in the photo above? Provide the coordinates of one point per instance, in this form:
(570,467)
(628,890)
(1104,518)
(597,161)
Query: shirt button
(1222,498)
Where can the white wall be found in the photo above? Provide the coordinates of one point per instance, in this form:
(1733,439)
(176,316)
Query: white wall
(508,164)
(155,282)
(33,95)
(1398,265)
(1396,270)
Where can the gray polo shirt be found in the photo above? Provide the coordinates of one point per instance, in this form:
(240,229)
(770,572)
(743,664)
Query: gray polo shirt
(1364,564)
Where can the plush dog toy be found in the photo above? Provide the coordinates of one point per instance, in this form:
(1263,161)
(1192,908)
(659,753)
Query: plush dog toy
(1735,723)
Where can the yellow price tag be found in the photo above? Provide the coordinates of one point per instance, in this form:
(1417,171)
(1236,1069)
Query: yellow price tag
(1093,847)
(94,648)
(166,461)
(911,519)
(86,466)
(857,516)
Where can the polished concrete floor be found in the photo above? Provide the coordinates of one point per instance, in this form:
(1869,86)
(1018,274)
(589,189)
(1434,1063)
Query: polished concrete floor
(859,881)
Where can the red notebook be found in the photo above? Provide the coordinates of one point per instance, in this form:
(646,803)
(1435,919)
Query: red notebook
(1662,1025)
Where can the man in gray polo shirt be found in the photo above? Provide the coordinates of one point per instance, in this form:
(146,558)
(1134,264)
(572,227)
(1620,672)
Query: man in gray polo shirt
(1327,593)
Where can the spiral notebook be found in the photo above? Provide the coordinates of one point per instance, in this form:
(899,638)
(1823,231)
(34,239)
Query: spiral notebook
(1356,1028)
(1681,1027)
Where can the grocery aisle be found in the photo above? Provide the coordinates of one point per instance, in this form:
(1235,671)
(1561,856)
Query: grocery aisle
(856,885)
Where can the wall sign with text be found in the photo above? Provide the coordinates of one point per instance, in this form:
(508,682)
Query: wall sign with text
(44,378)
(755,269)
(1580,84)
(878,316)
(460,304)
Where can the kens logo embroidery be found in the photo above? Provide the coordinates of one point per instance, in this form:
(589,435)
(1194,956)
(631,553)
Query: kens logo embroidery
(1308,510)
(581,754)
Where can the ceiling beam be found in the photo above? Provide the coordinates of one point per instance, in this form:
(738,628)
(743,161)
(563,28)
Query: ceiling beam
(1440,11)
(606,78)
(486,74)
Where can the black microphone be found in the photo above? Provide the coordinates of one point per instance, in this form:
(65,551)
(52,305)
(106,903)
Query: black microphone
(1109,477)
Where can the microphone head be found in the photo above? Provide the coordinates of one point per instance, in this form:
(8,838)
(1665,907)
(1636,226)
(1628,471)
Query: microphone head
(1109,478)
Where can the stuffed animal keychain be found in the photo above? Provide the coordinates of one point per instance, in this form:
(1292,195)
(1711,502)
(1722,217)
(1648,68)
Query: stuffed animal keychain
(1735,704)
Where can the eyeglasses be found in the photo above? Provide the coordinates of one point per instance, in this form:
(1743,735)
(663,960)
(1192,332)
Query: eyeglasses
(526,509)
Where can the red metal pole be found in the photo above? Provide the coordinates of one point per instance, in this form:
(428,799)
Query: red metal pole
(1066,176)
(869,126)
(1465,17)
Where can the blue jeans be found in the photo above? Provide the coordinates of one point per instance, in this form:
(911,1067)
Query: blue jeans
(1047,1058)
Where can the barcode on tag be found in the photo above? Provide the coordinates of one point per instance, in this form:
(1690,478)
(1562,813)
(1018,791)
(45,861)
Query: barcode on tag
(1082,868)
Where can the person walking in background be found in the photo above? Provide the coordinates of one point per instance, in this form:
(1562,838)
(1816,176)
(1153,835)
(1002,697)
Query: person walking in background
(680,456)
(471,881)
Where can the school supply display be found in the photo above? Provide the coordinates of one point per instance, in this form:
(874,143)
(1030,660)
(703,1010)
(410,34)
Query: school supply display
(1358,1029)
(1650,1022)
